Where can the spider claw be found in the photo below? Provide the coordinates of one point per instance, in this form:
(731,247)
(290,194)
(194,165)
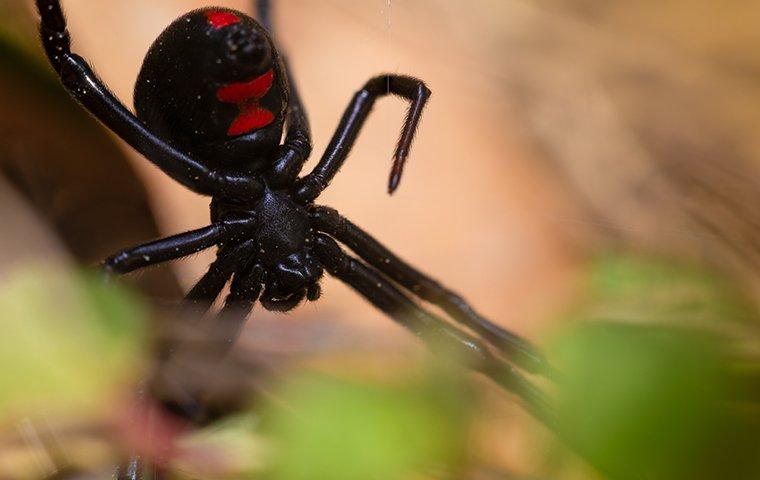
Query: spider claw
(396,171)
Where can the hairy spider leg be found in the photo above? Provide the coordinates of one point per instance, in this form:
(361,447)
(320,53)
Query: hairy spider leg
(438,334)
(409,88)
(296,148)
(170,248)
(82,83)
(373,252)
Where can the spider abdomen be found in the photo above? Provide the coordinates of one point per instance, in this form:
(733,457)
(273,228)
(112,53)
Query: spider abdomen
(212,84)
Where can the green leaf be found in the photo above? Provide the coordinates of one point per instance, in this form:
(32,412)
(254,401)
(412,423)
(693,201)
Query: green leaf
(650,402)
(657,291)
(348,430)
(68,343)
(646,391)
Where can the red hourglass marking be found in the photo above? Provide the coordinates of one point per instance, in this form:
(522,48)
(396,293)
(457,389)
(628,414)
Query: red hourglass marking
(246,96)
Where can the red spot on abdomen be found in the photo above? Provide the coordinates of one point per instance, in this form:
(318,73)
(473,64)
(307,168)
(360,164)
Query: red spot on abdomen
(250,118)
(246,95)
(240,92)
(219,19)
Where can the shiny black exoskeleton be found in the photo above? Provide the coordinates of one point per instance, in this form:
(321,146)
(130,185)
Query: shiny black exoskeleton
(213,99)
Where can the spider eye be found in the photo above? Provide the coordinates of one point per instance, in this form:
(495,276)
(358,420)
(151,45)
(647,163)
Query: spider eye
(219,19)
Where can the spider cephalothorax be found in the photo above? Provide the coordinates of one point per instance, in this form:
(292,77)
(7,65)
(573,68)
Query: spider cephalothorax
(213,84)
(278,245)
(212,99)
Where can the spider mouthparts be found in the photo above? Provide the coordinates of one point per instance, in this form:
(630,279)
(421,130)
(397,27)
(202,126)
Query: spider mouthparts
(282,303)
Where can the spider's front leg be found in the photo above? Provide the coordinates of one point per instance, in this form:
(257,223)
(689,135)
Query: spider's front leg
(409,88)
(516,348)
(437,333)
(163,250)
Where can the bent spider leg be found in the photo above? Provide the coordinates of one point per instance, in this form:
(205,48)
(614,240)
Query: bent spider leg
(368,248)
(171,248)
(82,83)
(353,119)
(437,333)
(296,148)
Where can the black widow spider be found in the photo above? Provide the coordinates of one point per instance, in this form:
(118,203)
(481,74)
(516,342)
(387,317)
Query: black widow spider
(213,99)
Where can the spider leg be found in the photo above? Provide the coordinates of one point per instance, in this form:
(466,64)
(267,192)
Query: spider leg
(221,335)
(130,470)
(207,289)
(437,333)
(244,291)
(170,248)
(368,248)
(201,296)
(185,400)
(296,148)
(263,10)
(82,83)
(353,119)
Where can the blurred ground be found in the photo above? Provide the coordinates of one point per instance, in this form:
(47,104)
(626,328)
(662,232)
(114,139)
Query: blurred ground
(649,112)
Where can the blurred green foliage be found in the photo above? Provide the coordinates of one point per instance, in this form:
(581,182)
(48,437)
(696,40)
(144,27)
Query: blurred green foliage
(656,291)
(657,399)
(347,430)
(651,395)
(68,342)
